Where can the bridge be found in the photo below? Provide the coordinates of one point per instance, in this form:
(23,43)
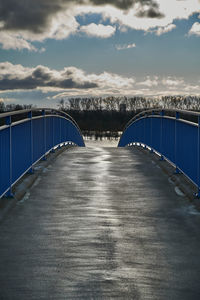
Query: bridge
(100,222)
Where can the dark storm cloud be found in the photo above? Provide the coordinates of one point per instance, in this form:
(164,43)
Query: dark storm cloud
(28,15)
(43,77)
(34,15)
(150,13)
(125,4)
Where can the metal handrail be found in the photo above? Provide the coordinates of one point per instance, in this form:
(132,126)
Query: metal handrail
(166,112)
(51,110)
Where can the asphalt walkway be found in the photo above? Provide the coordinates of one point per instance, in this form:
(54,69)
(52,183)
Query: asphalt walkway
(101,223)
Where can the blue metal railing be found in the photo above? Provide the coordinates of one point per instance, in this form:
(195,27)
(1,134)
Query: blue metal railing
(26,136)
(175,135)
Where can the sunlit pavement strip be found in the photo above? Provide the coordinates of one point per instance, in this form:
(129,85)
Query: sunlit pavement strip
(101,223)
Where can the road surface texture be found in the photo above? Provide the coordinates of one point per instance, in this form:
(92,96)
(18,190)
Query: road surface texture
(101,223)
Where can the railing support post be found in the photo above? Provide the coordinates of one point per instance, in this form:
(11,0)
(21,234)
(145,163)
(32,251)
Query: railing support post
(9,193)
(177,171)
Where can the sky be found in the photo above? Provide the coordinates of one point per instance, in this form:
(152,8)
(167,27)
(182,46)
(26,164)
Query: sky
(52,50)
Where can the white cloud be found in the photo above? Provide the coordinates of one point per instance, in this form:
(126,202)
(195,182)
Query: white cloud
(190,88)
(195,29)
(113,84)
(123,47)
(148,81)
(15,41)
(71,81)
(162,30)
(16,77)
(111,80)
(171,9)
(172,81)
(5,100)
(100,30)
(61,24)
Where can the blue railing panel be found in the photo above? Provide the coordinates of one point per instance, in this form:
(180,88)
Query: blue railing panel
(148,131)
(138,130)
(49,133)
(168,140)
(129,136)
(187,145)
(21,147)
(38,131)
(156,133)
(4,160)
(64,130)
(57,133)
(72,134)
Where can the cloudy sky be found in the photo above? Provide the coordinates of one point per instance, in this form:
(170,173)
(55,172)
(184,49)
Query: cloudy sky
(56,49)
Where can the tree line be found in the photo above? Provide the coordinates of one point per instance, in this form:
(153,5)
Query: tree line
(129,103)
(14,107)
(111,114)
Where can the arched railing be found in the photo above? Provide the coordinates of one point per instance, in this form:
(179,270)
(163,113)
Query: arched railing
(26,136)
(174,134)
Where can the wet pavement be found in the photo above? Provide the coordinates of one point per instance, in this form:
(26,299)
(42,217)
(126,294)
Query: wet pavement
(101,223)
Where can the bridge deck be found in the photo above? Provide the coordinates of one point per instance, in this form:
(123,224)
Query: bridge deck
(101,223)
